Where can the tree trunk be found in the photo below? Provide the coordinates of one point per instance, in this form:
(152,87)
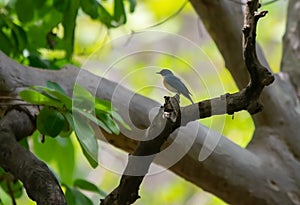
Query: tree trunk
(267,171)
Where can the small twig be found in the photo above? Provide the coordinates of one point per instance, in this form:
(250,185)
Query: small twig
(11,193)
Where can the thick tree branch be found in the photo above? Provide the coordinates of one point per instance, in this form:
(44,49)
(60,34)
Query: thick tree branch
(41,185)
(222,20)
(189,167)
(228,168)
(140,107)
(291,45)
(260,77)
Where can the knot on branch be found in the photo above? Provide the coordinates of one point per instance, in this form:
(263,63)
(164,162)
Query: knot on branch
(267,77)
(255,107)
(258,15)
(246,30)
(172,108)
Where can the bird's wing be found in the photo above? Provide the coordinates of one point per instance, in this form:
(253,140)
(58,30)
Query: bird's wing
(179,85)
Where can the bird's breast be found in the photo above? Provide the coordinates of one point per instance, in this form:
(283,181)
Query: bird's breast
(168,86)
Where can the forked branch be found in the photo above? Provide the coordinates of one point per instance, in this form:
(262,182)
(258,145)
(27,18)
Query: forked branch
(246,99)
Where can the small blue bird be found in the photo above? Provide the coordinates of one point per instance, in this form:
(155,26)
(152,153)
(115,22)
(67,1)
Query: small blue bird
(174,84)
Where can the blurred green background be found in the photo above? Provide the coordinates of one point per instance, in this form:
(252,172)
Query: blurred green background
(64,156)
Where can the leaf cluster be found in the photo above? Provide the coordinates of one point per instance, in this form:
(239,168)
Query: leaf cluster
(60,115)
(27,26)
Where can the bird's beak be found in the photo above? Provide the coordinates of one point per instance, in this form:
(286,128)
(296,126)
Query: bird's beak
(157,72)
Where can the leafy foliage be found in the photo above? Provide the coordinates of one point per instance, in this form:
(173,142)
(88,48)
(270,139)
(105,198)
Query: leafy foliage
(60,116)
(86,185)
(27,26)
(75,196)
(41,34)
(10,185)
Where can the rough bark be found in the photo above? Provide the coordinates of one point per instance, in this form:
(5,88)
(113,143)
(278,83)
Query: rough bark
(276,137)
(40,183)
(165,122)
(291,45)
(267,172)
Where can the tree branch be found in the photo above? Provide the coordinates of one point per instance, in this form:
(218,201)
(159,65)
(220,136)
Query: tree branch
(291,45)
(228,168)
(166,121)
(245,99)
(140,107)
(41,185)
(223,21)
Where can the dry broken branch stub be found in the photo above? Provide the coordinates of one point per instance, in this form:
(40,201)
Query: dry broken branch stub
(165,122)
(260,76)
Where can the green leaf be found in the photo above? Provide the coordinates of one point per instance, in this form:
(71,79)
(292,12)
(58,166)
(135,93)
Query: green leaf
(60,151)
(103,105)
(24,143)
(110,123)
(20,37)
(118,118)
(10,184)
(91,161)
(86,137)
(80,92)
(61,5)
(36,60)
(76,197)
(90,7)
(94,119)
(65,133)
(132,4)
(65,157)
(37,33)
(86,185)
(83,103)
(56,93)
(1,171)
(5,45)
(105,17)
(55,86)
(50,122)
(82,98)
(119,12)
(39,4)
(35,97)
(69,23)
(24,9)
(69,118)
(42,150)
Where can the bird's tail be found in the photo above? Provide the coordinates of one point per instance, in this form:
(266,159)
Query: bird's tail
(190,98)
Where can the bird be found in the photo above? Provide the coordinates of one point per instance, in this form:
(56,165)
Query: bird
(174,84)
